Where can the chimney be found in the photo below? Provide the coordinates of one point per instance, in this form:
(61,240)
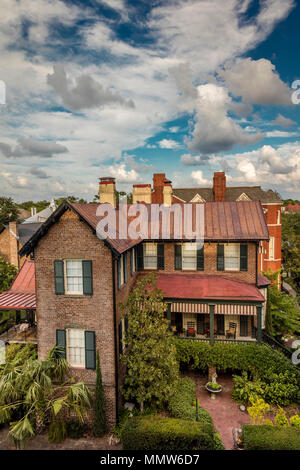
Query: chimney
(141,193)
(33,211)
(107,191)
(219,186)
(158,188)
(13,244)
(167,192)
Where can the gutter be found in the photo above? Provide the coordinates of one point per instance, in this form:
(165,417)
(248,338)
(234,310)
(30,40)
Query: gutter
(115,337)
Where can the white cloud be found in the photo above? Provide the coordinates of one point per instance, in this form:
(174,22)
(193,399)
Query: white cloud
(27,146)
(13,180)
(257,82)
(122,175)
(189,160)
(282,121)
(198,177)
(169,144)
(214,130)
(281,134)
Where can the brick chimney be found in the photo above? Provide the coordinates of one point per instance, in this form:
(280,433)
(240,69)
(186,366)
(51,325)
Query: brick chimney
(141,193)
(107,191)
(167,192)
(158,188)
(13,244)
(219,186)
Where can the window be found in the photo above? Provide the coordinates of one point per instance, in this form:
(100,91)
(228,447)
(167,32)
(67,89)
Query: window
(76,347)
(73,276)
(150,255)
(271,248)
(278,217)
(120,271)
(133,262)
(189,256)
(232,257)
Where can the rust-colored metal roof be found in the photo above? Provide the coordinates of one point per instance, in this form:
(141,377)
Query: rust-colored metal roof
(207,287)
(21,295)
(262,281)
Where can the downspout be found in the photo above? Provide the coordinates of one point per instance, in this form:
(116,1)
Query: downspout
(115,337)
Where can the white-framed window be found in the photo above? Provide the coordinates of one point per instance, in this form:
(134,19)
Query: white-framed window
(150,255)
(278,217)
(133,261)
(75,347)
(271,248)
(189,256)
(232,257)
(73,276)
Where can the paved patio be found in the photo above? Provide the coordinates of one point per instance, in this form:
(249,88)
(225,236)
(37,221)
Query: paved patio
(224,410)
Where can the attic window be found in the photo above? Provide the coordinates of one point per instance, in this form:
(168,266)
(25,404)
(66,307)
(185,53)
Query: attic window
(243,197)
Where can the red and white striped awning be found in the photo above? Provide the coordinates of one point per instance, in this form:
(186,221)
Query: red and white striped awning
(189,307)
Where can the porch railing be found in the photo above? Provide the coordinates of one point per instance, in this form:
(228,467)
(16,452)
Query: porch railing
(216,340)
(274,344)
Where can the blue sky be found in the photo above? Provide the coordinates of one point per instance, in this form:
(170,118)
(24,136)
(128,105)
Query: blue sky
(127,88)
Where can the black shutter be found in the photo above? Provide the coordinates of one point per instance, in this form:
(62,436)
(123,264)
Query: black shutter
(135,258)
(87,273)
(160,256)
(90,350)
(120,338)
(200,258)
(177,257)
(140,257)
(59,277)
(119,272)
(220,257)
(61,341)
(125,267)
(131,262)
(244,257)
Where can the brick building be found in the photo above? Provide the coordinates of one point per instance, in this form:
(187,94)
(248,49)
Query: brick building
(212,291)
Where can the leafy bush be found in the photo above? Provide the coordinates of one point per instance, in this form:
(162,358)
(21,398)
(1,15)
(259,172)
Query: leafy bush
(295,421)
(160,433)
(218,442)
(244,388)
(57,431)
(274,373)
(181,403)
(265,437)
(281,419)
(75,429)
(204,416)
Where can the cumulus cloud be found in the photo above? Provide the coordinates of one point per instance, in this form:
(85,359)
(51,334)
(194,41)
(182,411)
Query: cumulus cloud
(276,164)
(257,82)
(27,147)
(14,181)
(86,93)
(282,121)
(169,144)
(123,175)
(41,174)
(198,177)
(189,160)
(214,130)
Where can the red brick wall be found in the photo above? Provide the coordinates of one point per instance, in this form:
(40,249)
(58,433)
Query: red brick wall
(265,263)
(210,263)
(70,238)
(9,251)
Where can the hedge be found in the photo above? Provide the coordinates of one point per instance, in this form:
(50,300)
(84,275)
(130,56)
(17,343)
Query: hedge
(266,437)
(160,433)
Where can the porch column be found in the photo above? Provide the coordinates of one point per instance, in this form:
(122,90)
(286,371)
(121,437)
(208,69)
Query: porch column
(259,323)
(169,314)
(211,324)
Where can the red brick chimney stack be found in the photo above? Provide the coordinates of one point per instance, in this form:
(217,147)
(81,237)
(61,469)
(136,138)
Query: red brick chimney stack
(219,186)
(158,188)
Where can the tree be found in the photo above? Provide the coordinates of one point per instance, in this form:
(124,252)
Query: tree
(35,392)
(291,246)
(8,211)
(99,403)
(8,273)
(152,369)
(284,311)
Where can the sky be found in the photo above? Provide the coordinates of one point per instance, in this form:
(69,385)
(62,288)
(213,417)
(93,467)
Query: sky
(127,88)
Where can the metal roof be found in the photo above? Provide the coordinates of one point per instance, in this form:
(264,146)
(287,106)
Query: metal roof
(255,193)
(207,287)
(21,295)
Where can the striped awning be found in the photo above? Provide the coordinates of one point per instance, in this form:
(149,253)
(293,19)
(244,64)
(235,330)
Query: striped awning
(189,307)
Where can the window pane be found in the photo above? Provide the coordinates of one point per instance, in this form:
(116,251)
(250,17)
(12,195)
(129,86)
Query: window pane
(76,347)
(150,255)
(189,256)
(232,257)
(74,275)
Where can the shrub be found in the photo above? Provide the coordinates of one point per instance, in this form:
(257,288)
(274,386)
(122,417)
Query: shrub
(160,433)
(218,442)
(181,403)
(264,437)
(75,429)
(57,431)
(244,388)
(258,409)
(295,421)
(281,419)
(204,416)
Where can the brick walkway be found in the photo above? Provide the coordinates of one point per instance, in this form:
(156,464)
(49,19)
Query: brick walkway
(224,410)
